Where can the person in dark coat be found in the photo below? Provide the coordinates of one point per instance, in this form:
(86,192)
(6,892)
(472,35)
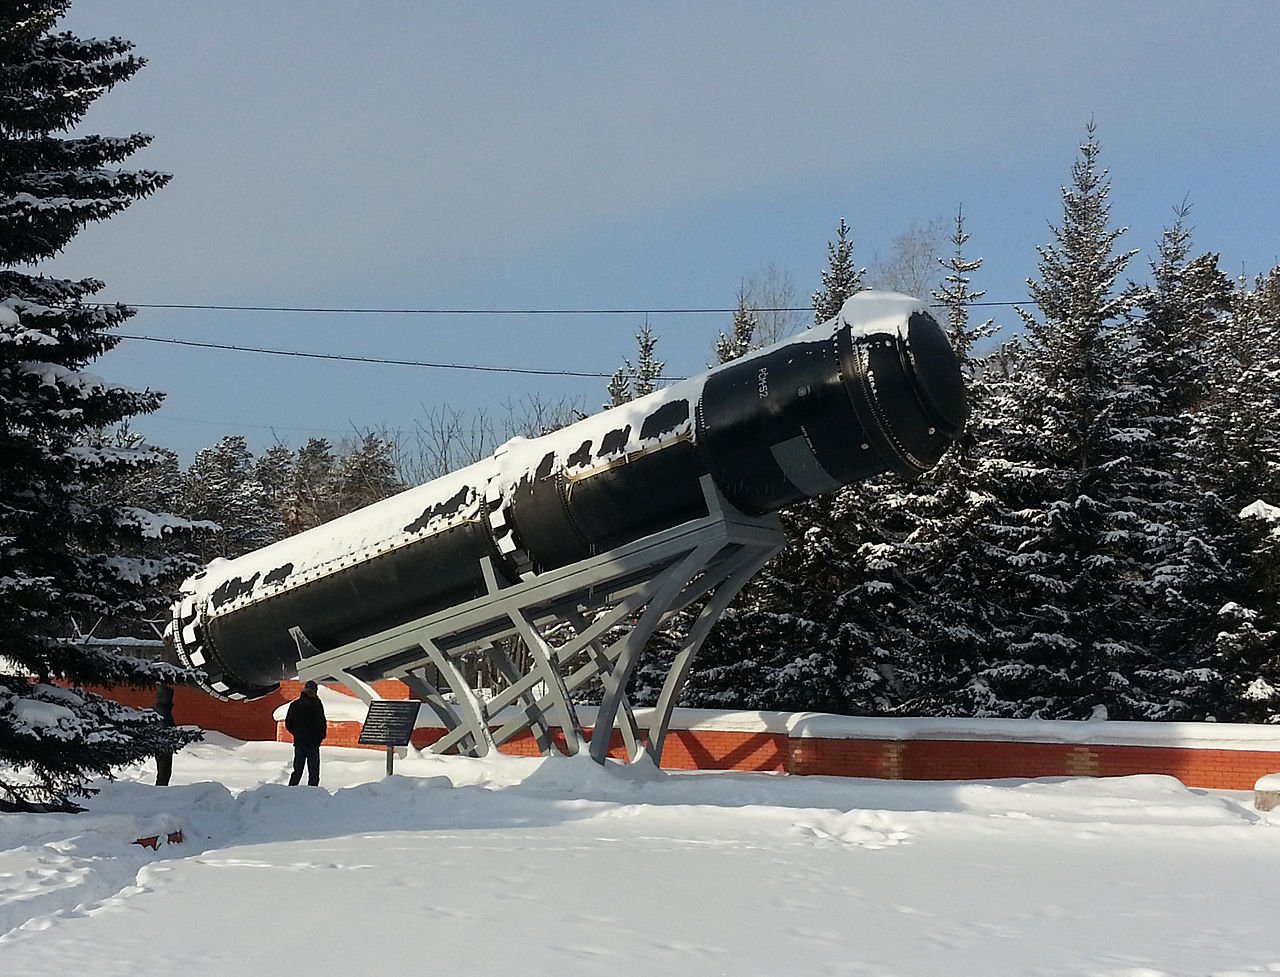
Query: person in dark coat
(164,759)
(307,725)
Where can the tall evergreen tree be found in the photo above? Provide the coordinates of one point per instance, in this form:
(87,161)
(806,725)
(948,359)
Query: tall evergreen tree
(273,470)
(619,388)
(648,369)
(169,543)
(636,380)
(946,622)
(1236,434)
(731,345)
(957,299)
(67,551)
(221,487)
(1237,427)
(1188,538)
(1064,477)
(366,474)
(313,498)
(840,279)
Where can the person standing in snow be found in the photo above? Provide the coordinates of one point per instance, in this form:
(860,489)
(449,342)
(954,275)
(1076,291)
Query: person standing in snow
(307,725)
(164,759)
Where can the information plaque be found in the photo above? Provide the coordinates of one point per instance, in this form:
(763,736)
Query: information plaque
(390,722)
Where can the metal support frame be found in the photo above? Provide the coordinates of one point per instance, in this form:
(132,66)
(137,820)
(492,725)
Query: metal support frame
(612,603)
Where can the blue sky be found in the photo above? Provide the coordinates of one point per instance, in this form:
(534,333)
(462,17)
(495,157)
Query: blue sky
(620,155)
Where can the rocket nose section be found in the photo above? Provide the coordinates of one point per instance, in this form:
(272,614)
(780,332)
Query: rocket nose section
(937,371)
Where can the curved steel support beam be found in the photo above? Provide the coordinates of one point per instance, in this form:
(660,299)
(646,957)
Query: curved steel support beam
(635,589)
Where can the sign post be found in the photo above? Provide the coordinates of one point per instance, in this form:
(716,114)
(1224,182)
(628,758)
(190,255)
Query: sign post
(390,724)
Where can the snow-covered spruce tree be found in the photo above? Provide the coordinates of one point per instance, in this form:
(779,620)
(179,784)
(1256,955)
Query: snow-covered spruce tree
(313,497)
(840,279)
(1189,538)
(1236,426)
(1236,439)
(739,339)
(366,474)
(648,368)
(274,470)
(221,487)
(169,543)
(64,554)
(850,589)
(1065,477)
(633,380)
(945,622)
(619,388)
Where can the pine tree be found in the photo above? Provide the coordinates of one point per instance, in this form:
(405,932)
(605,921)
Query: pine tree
(273,470)
(955,296)
(796,636)
(313,497)
(221,487)
(729,346)
(771,648)
(168,543)
(840,279)
(636,380)
(366,474)
(1236,426)
(846,591)
(946,623)
(1188,539)
(619,388)
(1236,438)
(1064,478)
(648,369)
(68,551)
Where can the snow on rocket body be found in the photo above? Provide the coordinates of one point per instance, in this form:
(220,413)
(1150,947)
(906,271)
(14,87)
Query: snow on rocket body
(876,388)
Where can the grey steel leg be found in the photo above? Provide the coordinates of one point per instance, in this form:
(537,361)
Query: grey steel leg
(654,578)
(519,690)
(544,666)
(474,719)
(537,718)
(678,674)
(671,582)
(432,696)
(604,664)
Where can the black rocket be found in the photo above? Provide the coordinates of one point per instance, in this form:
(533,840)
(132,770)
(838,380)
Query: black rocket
(876,388)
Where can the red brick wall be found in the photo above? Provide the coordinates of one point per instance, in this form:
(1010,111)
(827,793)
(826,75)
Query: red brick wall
(243,720)
(1224,769)
(990,760)
(683,749)
(710,749)
(707,748)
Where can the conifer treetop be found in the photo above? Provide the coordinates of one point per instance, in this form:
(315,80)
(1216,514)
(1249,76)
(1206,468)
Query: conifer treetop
(841,278)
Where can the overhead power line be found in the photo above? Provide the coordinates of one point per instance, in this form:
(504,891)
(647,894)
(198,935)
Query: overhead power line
(376,359)
(427,364)
(379,311)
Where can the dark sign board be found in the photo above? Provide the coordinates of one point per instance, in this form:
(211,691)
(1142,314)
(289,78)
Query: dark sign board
(390,722)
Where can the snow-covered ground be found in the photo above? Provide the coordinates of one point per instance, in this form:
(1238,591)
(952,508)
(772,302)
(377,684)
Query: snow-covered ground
(556,866)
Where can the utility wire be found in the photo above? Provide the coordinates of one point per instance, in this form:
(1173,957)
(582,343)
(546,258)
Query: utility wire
(376,359)
(442,366)
(375,311)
